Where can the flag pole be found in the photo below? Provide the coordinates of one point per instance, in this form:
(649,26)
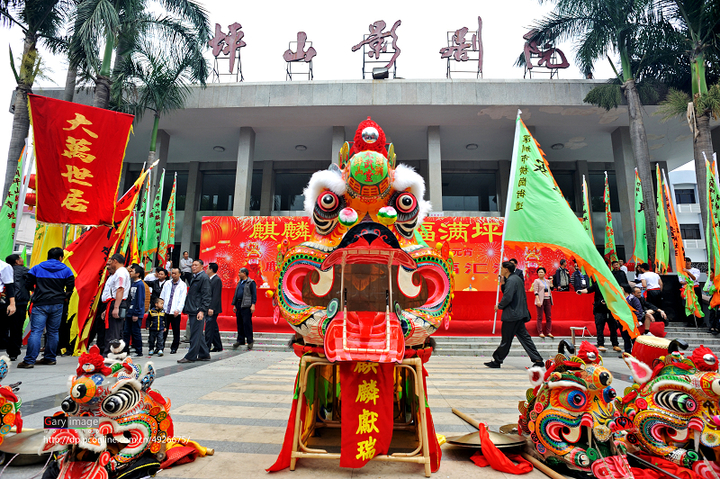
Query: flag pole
(511,182)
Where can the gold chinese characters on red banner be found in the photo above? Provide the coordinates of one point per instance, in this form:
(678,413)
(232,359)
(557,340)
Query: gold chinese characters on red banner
(79,151)
(252,241)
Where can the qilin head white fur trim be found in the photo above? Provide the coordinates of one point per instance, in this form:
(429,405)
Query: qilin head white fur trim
(322,180)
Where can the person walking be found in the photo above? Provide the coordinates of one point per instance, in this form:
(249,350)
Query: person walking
(602,317)
(196,307)
(16,321)
(514,315)
(156,328)
(174,294)
(186,267)
(542,287)
(212,331)
(561,278)
(53,284)
(115,294)
(244,306)
(136,310)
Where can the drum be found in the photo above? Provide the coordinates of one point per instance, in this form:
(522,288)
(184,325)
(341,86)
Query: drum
(649,348)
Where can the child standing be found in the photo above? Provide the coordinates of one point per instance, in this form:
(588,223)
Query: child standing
(156,326)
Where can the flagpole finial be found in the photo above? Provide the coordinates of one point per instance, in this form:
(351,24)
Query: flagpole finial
(519,113)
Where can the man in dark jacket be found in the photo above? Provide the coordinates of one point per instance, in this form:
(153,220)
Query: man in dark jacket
(212,331)
(619,274)
(561,278)
(244,306)
(197,305)
(53,283)
(578,279)
(16,321)
(156,285)
(136,310)
(602,317)
(514,315)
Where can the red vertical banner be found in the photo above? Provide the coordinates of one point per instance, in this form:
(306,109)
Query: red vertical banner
(79,151)
(366,391)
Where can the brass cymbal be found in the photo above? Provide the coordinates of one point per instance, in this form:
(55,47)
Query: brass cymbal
(501,441)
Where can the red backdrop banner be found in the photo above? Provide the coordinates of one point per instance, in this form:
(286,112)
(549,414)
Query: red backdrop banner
(79,151)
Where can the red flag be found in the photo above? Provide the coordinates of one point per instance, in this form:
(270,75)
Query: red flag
(87,257)
(367,411)
(79,151)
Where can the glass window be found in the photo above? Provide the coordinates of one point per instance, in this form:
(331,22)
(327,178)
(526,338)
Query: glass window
(596,183)
(218,191)
(289,191)
(469,192)
(566,182)
(690,232)
(685,196)
(182,180)
(256,190)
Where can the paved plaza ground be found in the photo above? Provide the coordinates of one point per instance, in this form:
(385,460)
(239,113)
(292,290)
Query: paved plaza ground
(239,403)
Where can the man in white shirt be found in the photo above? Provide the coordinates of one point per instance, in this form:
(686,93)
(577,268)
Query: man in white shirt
(174,293)
(7,300)
(651,284)
(622,265)
(115,293)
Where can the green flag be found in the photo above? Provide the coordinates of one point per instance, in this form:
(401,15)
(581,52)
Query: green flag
(610,252)
(167,237)
(713,235)
(640,254)
(24,255)
(662,248)
(142,216)
(8,213)
(538,215)
(152,228)
(586,217)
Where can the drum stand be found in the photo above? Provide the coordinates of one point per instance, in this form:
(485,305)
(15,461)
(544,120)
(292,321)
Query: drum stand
(412,368)
(582,329)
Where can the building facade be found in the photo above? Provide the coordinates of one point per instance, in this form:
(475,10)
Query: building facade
(250,148)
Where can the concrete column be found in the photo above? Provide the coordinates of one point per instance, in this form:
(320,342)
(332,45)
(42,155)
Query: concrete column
(625,177)
(163,146)
(502,181)
(267,196)
(434,186)
(243,175)
(338,139)
(192,201)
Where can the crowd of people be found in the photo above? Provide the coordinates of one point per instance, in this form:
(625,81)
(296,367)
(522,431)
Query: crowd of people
(129,299)
(644,295)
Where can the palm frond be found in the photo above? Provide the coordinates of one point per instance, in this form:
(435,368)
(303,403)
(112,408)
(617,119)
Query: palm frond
(607,96)
(674,105)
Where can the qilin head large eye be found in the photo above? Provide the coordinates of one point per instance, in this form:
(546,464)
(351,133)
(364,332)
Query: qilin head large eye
(122,400)
(328,201)
(573,399)
(69,406)
(676,401)
(406,202)
(609,394)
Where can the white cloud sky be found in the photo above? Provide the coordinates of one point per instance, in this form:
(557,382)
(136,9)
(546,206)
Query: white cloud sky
(334,27)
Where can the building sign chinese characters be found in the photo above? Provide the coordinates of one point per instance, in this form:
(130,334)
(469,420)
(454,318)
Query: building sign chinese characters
(375,44)
(79,153)
(546,57)
(299,55)
(229,44)
(461,49)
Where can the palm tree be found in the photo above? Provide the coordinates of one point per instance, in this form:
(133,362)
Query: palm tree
(121,24)
(157,79)
(627,29)
(696,46)
(41,22)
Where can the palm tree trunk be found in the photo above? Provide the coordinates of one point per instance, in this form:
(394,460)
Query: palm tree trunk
(102,92)
(69,93)
(21,117)
(638,138)
(702,144)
